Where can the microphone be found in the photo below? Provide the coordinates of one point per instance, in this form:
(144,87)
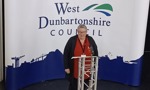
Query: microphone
(92,50)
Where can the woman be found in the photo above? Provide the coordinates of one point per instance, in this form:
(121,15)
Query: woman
(80,44)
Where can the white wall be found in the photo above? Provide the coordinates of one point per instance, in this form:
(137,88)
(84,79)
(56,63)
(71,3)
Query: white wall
(1,44)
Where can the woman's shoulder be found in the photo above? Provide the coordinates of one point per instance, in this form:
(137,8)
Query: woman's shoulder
(90,37)
(73,37)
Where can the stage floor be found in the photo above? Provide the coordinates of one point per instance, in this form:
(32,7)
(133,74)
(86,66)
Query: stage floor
(62,84)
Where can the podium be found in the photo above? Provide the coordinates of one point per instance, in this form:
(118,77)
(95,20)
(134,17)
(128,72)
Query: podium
(83,69)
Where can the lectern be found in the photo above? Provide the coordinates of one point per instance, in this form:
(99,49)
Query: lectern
(89,70)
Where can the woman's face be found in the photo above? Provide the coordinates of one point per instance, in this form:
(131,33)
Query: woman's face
(82,33)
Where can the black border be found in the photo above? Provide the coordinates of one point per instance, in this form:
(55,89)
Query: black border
(3,27)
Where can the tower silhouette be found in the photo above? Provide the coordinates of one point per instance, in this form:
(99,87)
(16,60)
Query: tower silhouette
(17,60)
(41,57)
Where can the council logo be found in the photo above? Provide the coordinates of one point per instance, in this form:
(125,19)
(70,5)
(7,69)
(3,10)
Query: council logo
(103,8)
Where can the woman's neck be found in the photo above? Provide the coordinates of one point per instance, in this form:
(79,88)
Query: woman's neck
(82,40)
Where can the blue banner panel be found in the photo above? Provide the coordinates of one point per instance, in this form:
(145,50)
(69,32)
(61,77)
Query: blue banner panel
(124,72)
(37,70)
